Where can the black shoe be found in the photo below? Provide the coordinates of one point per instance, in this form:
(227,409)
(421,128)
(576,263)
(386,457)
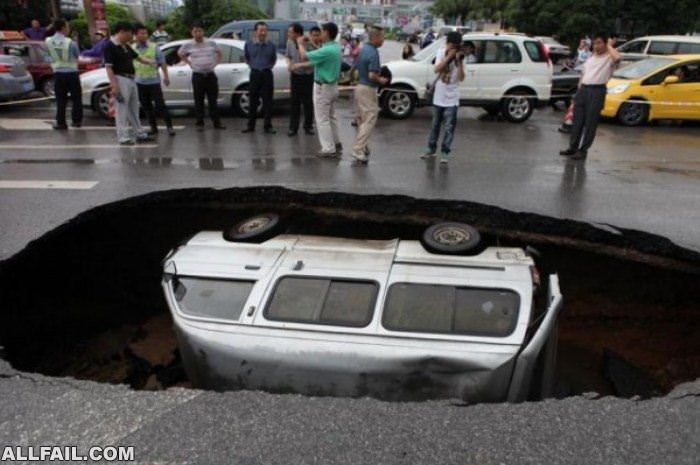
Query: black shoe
(60,127)
(291,133)
(338,148)
(367,152)
(579,155)
(171,131)
(147,138)
(270,130)
(354,123)
(152,132)
(219,126)
(567,152)
(309,132)
(248,130)
(77,125)
(200,127)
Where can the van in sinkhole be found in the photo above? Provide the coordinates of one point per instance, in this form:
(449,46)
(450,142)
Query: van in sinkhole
(443,317)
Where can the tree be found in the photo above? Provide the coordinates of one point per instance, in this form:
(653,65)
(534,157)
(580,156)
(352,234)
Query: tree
(211,13)
(114,14)
(16,14)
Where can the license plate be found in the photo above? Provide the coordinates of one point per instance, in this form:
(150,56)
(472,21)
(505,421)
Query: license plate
(28,87)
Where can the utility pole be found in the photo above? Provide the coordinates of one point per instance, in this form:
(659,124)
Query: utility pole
(55,9)
(87,7)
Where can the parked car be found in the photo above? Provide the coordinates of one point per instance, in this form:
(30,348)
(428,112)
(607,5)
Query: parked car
(512,75)
(642,47)
(15,80)
(232,74)
(33,53)
(556,50)
(394,319)
(655,88)
(276,30)
(564,85)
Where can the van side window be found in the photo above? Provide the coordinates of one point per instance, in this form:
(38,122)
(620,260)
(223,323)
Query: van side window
(687,48)
(662,48)
(635,46)
(322,301)
(211,298)
(501,51)
(432,308)
(534,51)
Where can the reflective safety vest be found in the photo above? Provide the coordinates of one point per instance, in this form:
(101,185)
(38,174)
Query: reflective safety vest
(59,50)
(142,70)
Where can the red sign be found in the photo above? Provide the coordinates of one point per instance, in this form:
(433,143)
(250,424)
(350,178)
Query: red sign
(98,14)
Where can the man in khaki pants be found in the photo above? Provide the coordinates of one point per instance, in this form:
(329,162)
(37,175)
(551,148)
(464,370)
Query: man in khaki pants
(366,99)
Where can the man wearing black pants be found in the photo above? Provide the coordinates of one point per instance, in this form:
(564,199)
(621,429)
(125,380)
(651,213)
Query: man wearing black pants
(261,56)
(203,55)
(63,55)
(302,84)
(590,97)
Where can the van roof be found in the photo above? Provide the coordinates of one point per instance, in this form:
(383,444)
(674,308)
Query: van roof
(669,38)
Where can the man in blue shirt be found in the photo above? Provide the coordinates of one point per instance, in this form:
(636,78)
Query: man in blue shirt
(366,99)
(261,56)
(148,80)
(63,56)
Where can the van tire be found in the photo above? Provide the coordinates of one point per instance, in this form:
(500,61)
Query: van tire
(256,228)
(518,107)
(451,239)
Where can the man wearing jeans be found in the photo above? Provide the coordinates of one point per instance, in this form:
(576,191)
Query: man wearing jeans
(202,55)
(119,62)
(261,56)
(590,97)
(366,99)
(449,67)
(326,61)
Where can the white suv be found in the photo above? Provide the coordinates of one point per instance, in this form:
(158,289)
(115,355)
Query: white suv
(395,319)
(512,75)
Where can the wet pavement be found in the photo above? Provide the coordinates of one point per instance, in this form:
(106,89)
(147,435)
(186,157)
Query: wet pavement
(639,178)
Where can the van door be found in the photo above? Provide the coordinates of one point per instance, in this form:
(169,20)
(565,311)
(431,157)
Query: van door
(469,87)
(179,92)
(501,63)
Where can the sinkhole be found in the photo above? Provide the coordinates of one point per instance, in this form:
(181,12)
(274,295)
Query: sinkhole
(85,299)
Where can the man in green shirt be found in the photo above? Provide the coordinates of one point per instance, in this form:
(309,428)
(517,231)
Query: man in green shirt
(326,61)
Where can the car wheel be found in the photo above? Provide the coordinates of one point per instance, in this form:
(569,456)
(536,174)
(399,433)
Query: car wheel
(47,87)
(100,102)
(518,107)
(451,239)
(633,113)
(256,228)
(241,102)
(399,103)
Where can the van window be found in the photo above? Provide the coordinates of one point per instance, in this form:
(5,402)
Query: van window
(432,308)
(211,298)
(662,48)
(534,51)
(501,51)
(635,46)
(323,301)
(687,48)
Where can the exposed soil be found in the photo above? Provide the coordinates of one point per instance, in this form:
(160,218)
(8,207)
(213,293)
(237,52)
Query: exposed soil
(85,299)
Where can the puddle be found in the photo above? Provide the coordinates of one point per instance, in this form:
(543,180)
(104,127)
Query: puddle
(85,299)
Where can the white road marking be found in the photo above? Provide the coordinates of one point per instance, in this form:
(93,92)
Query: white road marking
(42,124)
(81,185)
(76,147)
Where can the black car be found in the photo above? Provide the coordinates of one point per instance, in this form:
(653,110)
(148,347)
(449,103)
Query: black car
(564,85)
(276,30)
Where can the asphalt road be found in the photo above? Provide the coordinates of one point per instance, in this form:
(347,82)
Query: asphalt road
(639,178)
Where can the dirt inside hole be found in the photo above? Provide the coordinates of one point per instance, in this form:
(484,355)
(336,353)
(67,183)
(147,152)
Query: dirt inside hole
(85,300)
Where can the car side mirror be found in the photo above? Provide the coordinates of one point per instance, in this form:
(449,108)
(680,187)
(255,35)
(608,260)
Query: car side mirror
(671,80)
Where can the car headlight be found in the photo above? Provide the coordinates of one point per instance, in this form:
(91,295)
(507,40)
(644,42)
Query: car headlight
(618,89)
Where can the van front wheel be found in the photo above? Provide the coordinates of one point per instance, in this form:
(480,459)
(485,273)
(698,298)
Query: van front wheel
(451,239)
(518,106)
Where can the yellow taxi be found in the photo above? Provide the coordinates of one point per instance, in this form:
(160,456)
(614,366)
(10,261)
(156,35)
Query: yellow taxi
(659,87)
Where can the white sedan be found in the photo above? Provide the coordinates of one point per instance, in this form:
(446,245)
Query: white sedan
(233,74)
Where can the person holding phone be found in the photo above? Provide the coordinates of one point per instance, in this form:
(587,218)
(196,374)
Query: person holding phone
(449,67)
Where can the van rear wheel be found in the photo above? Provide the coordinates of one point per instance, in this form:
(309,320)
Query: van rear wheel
(257,228)
(451,239)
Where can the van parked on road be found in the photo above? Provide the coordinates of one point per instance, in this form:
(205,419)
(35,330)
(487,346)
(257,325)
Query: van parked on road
(395,319)
(642,47)
(511,74)
(276,30)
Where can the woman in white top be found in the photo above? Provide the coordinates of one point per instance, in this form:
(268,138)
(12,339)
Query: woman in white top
(449,67)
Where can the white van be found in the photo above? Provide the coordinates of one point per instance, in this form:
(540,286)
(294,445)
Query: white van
(511,75)
(642,47)
(394,319)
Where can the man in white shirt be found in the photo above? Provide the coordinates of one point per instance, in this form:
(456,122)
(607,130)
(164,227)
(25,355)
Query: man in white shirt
(590,97)
(449,66)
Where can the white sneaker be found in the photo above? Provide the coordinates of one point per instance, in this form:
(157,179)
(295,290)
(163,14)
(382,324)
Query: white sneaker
(360,158)
(444,158)
(427,156)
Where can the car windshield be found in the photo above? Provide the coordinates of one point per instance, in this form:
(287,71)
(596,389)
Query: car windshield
(429,51)
(641,68)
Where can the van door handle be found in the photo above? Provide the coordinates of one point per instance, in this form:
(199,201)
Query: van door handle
(251,310)
(180,73)
(514,70)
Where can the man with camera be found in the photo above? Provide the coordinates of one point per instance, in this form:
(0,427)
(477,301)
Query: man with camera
(449,67)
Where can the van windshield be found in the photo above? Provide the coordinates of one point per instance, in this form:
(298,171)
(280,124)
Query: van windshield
(443,309)
(429,51)
(641,68)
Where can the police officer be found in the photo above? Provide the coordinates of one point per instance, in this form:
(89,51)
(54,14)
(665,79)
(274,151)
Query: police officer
(148,80)
(63,55)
